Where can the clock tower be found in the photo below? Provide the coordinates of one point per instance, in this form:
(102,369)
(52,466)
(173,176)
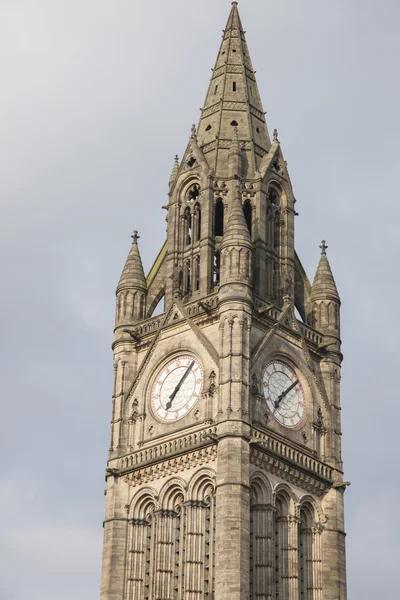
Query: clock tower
(225,475)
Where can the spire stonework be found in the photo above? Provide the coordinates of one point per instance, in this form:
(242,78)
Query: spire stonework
(233,100)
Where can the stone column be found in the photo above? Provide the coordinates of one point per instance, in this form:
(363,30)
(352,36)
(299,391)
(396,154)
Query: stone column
(232,520)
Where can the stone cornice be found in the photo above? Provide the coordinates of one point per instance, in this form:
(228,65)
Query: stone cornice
(172,466)
(292,464)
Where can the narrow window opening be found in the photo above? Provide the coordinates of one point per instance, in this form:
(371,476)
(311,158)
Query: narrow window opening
(219,218)
(197,285)
(233,50)
(251,91)
(188,227)
(208,127)
(258,130)
(216,269)
(216,90)
(234,86)
(234,124)
(247,211)
(197,225)
(188,278)
(191,161)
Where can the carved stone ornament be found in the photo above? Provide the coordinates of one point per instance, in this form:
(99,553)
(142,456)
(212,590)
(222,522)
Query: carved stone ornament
(254,384)
(174,465)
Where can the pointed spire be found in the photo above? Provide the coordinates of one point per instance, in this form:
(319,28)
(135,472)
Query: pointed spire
(175,170)
(324,286)
(132,276)
(233,100)
(236,231)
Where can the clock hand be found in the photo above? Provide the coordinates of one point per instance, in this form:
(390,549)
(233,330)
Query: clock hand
(178,387)
(285,393)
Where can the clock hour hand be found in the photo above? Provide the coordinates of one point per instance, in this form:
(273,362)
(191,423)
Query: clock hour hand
(285,393)
(178,387)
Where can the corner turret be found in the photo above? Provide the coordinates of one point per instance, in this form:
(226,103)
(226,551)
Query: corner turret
(132,288)
(236,252)
(325,298)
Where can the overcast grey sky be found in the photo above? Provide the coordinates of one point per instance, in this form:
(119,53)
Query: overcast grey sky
(96,99)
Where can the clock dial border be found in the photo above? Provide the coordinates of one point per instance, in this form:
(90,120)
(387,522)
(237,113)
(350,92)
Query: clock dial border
(157,402)
(286,420)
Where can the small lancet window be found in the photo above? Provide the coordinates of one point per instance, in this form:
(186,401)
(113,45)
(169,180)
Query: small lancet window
(216,90)
(197,223)
(188,227)
(247,211)
(197,273)
(219,218)
(234,86)
(188,282)
(216,269)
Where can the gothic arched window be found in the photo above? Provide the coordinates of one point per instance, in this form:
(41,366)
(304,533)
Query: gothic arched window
(187,227)
(197,273)
(247,211)
(197,223)
(219,218)
(188,278)
(310,564)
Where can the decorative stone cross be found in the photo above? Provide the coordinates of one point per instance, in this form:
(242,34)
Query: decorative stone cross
(135,237)
(323,247)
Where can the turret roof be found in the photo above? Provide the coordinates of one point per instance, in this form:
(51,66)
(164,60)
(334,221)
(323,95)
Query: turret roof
(132,276)
(324,286)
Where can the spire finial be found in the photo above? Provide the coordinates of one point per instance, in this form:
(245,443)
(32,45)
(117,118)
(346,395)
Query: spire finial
(176,159)
(276,135)
(194,133)
(323,247)
(234,3)
(135,237)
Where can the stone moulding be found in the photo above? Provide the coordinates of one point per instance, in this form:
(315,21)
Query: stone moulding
(167,449)
(291,464)
(172,466)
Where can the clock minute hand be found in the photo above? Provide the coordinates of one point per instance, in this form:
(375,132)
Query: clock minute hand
(178,387)
(285,393)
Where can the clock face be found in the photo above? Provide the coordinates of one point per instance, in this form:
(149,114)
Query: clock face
(176,388)
(284,394)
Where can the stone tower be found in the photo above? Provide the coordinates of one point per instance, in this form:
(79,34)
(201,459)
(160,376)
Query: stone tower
(224,479)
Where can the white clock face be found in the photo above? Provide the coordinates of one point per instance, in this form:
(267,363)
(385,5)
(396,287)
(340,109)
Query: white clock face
(284,394)
(176,388)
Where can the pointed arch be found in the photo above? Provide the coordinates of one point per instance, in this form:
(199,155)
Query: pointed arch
(261,488)
(200,484)
(172,493)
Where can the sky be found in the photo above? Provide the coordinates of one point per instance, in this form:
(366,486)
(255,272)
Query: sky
(97,98)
